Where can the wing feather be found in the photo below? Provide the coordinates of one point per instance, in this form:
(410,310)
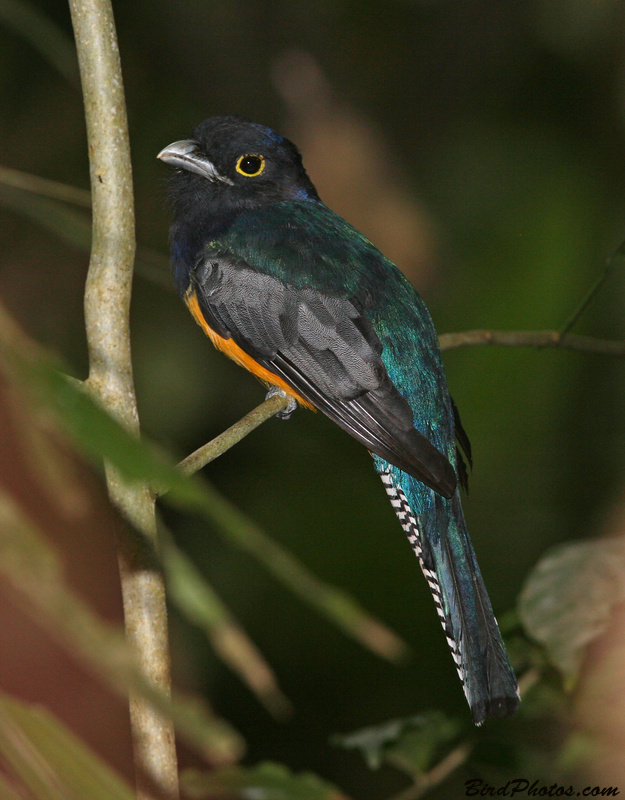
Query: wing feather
(328,352)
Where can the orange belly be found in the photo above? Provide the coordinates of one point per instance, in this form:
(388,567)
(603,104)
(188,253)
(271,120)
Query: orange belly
(239,356)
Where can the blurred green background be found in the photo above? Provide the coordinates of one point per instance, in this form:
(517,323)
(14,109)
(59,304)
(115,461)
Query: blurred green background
(480,145)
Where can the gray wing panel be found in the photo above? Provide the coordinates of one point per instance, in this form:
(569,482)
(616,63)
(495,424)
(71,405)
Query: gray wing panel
(328,351)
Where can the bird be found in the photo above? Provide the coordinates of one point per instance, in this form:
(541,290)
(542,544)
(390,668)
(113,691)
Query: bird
(291,291)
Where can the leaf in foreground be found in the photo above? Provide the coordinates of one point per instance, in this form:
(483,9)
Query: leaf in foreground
(100,436)
(568,598)
(411,743)
(268,781)
(32,571)
(199,603)
(49,760)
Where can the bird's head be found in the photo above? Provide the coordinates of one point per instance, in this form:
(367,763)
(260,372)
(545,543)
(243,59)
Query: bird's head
(235,164)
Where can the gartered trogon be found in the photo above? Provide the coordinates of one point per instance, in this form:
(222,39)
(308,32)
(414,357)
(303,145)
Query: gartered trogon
(291,291)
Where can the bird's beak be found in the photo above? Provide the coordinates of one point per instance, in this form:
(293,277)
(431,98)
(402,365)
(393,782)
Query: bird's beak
(186,154)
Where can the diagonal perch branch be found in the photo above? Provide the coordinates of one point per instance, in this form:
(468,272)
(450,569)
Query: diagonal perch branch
(233,435)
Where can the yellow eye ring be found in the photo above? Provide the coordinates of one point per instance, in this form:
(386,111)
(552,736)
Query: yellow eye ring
(250,165)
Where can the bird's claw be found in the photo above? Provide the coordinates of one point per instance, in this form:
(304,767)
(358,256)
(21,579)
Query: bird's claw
(286,413)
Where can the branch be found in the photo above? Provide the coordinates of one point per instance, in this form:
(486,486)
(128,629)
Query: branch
(448,341)
(439,773)
(107,305)
(610,264)
(540,339)
(233,435)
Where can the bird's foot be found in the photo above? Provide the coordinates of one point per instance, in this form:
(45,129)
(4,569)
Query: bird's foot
(286,413)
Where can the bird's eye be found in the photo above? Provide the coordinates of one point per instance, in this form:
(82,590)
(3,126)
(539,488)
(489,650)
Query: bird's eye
(250,165)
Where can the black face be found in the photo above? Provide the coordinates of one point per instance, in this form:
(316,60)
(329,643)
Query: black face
(234,164)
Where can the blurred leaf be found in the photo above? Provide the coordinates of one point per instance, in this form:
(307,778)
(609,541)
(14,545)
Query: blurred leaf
(546,698)
(19,182)
(99,435)
(43,202)
(49,464)
(31,569)
(336,605)
(44,35)
(90,427)
(568,598)
(70,225)
(50,760)
(267,781)
(102,437)
(411,743)
(197,601)
(7,792)
(578,752)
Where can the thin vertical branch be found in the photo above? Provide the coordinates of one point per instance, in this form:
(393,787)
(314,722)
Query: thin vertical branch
(107,305)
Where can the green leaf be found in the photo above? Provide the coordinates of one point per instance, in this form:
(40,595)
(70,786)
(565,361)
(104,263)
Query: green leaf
(267,781)
(568,598)
(88,425)
(578,752)
(101,436)
(49,760)
(411,743)
(336,605)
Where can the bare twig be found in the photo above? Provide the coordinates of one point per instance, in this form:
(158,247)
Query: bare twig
(210,451)
(610,264)
(439,772)
(540,339)
(107,303)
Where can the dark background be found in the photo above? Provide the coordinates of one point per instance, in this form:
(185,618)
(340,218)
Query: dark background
(478,144)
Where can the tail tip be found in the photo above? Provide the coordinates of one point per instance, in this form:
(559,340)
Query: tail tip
(499,707)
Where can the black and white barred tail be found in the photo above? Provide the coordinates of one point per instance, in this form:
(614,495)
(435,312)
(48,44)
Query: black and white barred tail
(449,565)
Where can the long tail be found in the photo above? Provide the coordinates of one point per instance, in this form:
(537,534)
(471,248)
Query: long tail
(450,567)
